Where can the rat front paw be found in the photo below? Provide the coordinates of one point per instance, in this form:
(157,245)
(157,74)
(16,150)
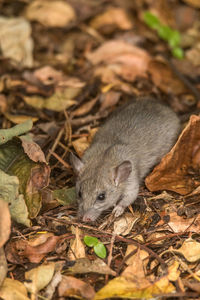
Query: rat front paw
(118,210)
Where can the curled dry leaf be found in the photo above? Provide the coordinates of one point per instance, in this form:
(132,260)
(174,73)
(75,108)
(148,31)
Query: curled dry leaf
(19,251)
(54,13)
(77,249)
(73,287)
(115,16)
(174,171)
(32,149)
(85,108)
(124,59)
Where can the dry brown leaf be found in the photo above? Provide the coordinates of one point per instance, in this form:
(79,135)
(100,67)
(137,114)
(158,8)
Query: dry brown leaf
(15,40)
(3,103)
(194,3)
(13,290)
(85,108)
(5,222)
(19,251)
(142,254)
(77,248)
(73,287)
(174,171)
(135,284)
(190,249)
(124,59)
(33,151)
(109,99)
(17,119)
(124,224)
(50,13)
(84,265)
(112,16)
(165,79)
(81,144)
(181,224)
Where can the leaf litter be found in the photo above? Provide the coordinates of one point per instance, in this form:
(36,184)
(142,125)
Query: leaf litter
(66,65)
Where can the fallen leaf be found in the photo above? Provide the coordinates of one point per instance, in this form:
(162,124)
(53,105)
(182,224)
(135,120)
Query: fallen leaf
(38,278)
(133,283)
(5,222)
(194,3)
(73,287)
(77,248)
(164,78)
(115,16)
(13,289)
(15,40)
(190,249)
(65,196)
(109,99)
(174,171)
(57,102)
(81,144)
(32,149)
(50,13)
(84,265)
(9,186)
(18,119)
(181,224)
(124,224)
(124,59)
(7,134)
(85,108)
(142,254)
(19,251)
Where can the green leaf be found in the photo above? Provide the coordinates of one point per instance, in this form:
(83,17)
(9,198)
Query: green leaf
(165,32)
(8,134)
(100,250)
(151,20)
(90,241)
(178,52)
(65,196)
(175,39)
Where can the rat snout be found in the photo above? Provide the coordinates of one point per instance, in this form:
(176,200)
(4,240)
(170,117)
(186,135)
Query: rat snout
(90,215)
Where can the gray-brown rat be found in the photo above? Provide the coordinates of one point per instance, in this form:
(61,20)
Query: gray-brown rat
(123,151)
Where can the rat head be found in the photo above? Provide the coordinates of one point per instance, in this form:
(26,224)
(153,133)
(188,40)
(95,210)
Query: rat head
(99,187)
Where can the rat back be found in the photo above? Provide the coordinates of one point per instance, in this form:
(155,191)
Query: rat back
(146,128)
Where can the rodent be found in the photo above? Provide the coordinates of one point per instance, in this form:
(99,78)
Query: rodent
(125,148)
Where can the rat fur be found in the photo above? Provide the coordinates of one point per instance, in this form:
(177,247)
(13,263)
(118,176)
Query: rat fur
(123,151)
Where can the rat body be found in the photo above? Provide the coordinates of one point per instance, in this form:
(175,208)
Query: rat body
(123,151)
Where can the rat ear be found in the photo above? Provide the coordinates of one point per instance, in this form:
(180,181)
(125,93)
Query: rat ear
(122,172)
(76,163)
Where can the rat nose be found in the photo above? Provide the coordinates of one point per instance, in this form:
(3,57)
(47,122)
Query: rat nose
(86,218)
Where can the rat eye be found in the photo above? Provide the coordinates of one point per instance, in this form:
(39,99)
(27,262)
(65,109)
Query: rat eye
(101,196)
